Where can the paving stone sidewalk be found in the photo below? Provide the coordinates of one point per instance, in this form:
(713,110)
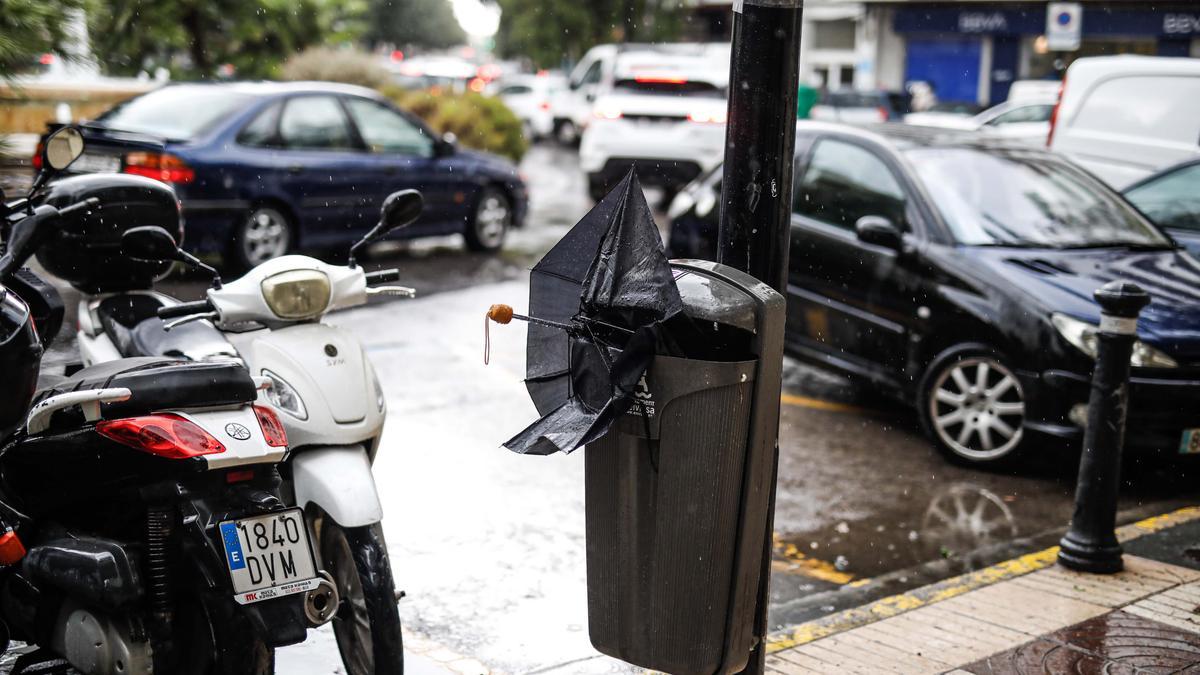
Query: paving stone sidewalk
(1027,615)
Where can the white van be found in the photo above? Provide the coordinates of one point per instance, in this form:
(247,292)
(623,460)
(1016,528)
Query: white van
(598,70)
(1125,117)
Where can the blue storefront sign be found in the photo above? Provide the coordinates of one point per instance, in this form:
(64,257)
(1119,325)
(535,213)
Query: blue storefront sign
(1161,20)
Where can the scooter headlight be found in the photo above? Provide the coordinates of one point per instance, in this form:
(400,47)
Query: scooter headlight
(297,294)
(1082,335)
(284,396)
(380,399)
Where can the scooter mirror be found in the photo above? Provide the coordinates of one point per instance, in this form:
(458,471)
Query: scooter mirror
(400,209)
(149,242)
(62,147)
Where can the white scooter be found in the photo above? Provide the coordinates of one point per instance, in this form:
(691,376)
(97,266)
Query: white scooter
(321,382)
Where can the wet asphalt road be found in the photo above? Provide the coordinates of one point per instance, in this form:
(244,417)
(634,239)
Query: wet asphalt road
(489,546)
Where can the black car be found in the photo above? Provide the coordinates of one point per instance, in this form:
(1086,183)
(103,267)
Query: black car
(1171,198)
(958,275)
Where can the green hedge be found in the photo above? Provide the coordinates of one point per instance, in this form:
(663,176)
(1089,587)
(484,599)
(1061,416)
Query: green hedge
(480,122)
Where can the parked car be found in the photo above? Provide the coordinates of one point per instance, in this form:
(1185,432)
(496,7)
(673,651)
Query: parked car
(1126,117)
(1026,121)
(262,169)
(603,65)
(862,107)
(957,274)
(665,114)
(531,98)
(1171,198)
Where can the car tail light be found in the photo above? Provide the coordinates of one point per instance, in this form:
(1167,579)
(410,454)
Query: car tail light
(708,117)
(544,105)
(271,427)
(37,156)
(160,166)
(11,548)
(1062,87)
(883,114)
(659,79)
(164,435)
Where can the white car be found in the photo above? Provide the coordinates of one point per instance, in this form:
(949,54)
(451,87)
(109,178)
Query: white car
(1024,121)
(531,98)
(665,117)
(598,71)
(1125,117)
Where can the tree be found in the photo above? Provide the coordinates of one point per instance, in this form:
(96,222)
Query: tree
(29,28)
(552,32)
(417,23)
(195,37)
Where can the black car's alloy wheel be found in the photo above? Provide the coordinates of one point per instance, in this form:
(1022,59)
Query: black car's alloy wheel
(492,219)
(973,407)
(367,623)
(264,234)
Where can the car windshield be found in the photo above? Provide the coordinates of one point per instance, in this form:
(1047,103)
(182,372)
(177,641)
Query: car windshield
(1015,198)
(176,113)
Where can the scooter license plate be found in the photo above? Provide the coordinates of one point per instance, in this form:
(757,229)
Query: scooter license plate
(1190,443)
(269,556)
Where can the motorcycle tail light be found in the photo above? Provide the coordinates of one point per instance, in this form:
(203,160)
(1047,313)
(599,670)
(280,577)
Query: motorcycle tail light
(159,166)
(272,428)
(37,156)
(239,476)
(11,548)
(166,435)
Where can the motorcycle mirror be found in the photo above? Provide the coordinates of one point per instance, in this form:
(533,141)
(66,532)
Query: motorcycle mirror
(149,242)
(61,148)
(399,210)
(154,244)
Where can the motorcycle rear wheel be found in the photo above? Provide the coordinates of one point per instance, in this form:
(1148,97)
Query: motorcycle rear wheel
(367,623)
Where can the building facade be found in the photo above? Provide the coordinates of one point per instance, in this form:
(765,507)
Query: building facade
(969,50)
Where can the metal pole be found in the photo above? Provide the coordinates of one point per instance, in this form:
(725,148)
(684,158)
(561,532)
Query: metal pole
(756,189)
(1090,544)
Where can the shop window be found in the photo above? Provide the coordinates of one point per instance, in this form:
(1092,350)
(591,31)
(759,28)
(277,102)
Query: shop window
(837,34)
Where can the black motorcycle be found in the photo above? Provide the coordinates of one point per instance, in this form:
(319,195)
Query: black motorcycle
(141,525)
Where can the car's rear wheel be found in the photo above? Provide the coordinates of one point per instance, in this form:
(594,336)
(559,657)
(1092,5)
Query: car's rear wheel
(567,133)
(491,221)
(973,406)
(265,233)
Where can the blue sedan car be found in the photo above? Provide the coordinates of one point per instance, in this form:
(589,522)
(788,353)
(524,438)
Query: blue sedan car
(266,168)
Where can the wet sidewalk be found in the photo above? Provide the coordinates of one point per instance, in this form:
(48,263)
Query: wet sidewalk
(1026,615)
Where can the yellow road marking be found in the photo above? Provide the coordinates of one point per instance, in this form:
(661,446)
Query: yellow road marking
(796,562)
(955,586)
(820,404)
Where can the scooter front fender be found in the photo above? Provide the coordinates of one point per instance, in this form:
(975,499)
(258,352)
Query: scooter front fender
(339,480)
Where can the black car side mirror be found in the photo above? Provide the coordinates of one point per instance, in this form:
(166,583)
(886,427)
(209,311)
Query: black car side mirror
(153,243)
(879,231)
(446,145)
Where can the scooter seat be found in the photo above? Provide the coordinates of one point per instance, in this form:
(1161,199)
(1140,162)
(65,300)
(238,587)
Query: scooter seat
(131,322)
(156,384)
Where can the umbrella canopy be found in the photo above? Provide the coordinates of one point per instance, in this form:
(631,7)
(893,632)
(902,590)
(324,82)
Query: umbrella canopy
(608,280)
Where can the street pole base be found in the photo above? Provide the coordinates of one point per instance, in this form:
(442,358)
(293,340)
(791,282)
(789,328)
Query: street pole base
(1082,557)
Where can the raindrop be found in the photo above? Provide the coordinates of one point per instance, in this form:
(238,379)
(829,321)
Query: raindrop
(842,528)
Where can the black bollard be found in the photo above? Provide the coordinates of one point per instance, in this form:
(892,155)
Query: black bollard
(1090,544)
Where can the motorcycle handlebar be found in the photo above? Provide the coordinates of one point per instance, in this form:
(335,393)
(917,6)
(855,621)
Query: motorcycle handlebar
(185,309)
(383,276)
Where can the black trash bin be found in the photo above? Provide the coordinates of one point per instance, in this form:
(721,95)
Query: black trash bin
(677,490)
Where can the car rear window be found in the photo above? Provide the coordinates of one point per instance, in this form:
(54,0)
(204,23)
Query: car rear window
(669,87)
(1026,199)
(1168,108)
(176,113)
(853,99)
